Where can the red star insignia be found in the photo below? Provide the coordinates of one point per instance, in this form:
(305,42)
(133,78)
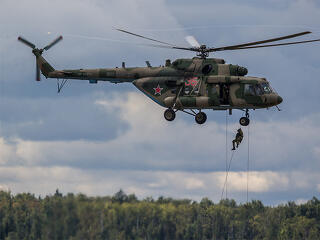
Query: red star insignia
(157,90)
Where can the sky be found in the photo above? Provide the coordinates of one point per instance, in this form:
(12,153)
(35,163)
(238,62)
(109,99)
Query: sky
(99,138)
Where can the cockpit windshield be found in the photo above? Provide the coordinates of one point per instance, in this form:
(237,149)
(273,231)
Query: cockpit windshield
(257,89)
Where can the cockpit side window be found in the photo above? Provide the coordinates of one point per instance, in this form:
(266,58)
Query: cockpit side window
(249,90)
(258,89)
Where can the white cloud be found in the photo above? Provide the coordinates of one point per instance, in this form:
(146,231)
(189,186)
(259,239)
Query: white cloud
(193,183)
(258,181)
(44,180)
(152,143)
(271,142)
(301,201)
(7,151)
(29,151)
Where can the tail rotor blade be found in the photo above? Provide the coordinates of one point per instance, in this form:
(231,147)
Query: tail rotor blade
(37,72)
(53,43)
(21,39)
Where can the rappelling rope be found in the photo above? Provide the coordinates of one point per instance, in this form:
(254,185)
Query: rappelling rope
(248,161)
(227,173)
(2,76)
(226,151)
(228,165)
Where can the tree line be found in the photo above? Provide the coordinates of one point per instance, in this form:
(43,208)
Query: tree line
(122,216)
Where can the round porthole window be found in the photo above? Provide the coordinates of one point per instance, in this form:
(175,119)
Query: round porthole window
(207,69)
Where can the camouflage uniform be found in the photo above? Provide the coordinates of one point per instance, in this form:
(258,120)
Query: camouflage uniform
(238,139)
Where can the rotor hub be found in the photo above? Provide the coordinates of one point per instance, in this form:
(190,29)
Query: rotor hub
(203,51)
(37,52)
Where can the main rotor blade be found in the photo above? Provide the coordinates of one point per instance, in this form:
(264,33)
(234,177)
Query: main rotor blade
(137,35)
(37,72)
(53,43)
(192,41)
(258,42)
(169,45)
(21,39)
(274,45)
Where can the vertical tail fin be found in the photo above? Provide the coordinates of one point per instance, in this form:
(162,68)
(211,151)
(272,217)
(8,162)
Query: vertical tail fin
(44,66)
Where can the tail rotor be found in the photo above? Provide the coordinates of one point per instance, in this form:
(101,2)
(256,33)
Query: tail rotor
(38,52)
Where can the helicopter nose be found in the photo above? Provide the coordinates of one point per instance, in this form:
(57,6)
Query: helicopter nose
(279,100)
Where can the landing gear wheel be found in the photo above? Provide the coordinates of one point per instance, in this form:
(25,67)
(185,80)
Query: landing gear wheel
(201,118)
(169,114)
(244,121)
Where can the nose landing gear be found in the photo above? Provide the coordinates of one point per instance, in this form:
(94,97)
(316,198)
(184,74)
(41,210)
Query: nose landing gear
(244,121)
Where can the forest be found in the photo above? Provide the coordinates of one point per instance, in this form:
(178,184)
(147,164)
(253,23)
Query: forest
(122,216)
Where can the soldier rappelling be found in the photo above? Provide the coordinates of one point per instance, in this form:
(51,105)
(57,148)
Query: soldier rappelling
(238,139)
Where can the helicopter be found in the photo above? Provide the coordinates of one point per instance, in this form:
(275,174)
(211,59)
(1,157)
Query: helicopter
(188,85)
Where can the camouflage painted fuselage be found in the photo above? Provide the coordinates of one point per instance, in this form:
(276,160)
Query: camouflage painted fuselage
(185,84)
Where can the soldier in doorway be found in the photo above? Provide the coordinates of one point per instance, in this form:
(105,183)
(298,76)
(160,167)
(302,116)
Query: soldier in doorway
(224,94)
(238,139)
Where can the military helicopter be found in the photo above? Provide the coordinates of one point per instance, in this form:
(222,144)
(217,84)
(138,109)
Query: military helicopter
(187,85)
